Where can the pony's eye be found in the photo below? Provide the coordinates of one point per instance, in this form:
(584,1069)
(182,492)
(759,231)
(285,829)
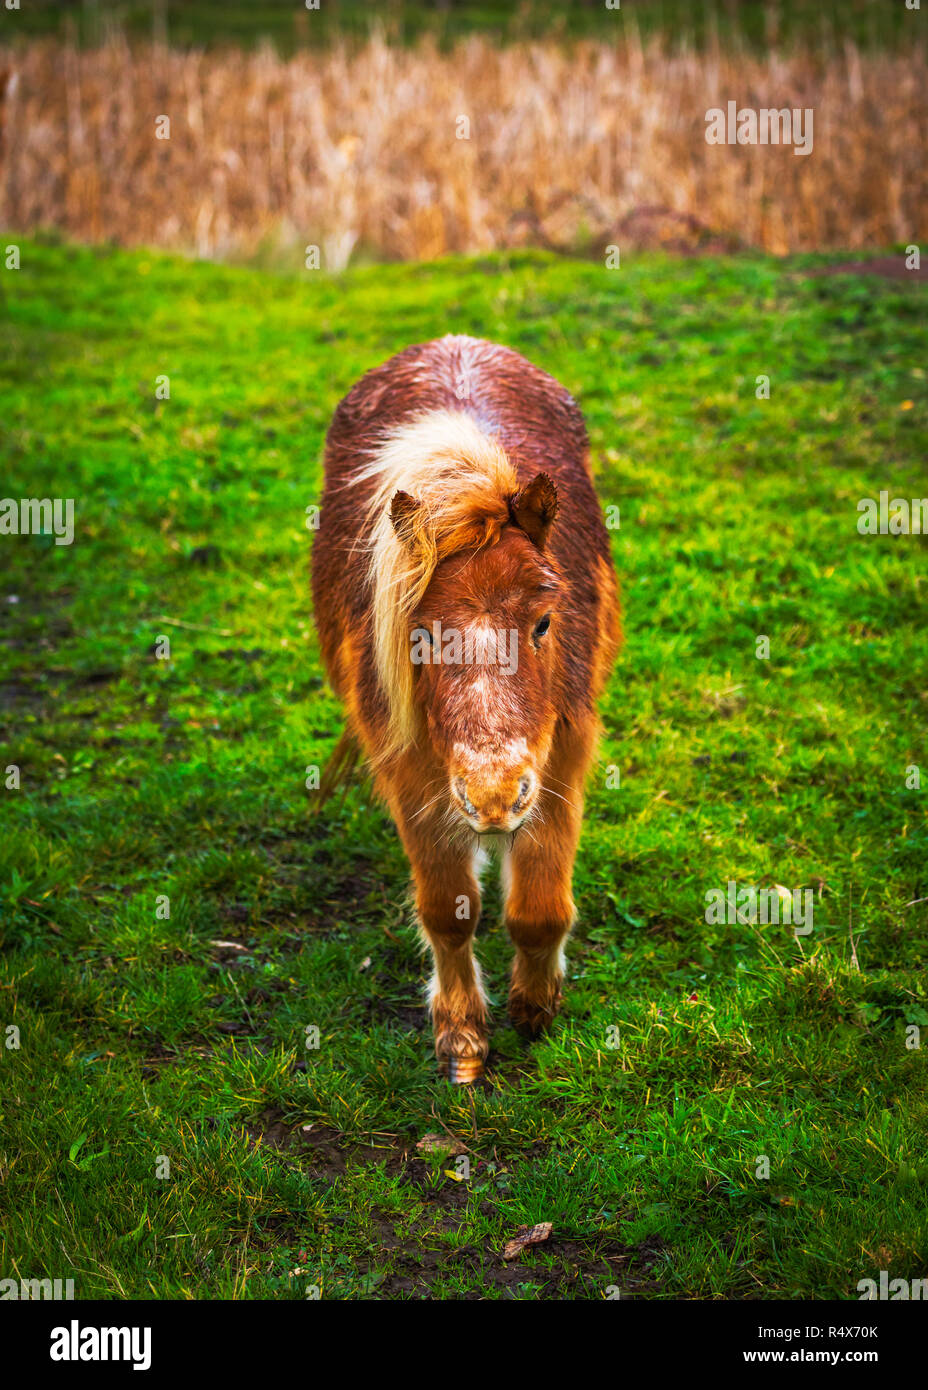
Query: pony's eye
(541,627)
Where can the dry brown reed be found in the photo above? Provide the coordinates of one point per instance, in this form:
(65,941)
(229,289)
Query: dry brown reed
(357,150)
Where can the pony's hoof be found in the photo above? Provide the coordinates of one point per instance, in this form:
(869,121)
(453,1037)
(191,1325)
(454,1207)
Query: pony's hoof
(463,1071)
(531,1029)
(531,1019)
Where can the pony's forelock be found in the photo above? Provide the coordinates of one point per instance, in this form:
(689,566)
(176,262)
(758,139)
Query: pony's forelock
(462,480)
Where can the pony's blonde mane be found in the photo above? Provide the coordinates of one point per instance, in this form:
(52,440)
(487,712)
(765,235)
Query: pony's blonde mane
(462,480)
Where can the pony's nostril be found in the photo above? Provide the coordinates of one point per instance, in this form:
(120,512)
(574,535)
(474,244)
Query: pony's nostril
(525,786)
(460,790)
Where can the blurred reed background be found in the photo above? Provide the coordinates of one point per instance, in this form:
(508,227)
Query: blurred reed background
(354,145)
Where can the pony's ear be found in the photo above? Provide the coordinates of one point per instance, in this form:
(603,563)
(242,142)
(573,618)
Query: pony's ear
(534,508)
(405,514)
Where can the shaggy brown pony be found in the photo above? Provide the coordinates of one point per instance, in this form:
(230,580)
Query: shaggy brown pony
(466,605)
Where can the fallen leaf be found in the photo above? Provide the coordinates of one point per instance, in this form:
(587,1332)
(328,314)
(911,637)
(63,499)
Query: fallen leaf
(440,1143)
(525,1237)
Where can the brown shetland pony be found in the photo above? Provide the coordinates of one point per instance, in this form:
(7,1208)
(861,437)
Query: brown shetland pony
(466,605)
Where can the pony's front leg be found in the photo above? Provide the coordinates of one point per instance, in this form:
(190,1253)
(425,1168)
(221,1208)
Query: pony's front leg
(448,909)
(540,911)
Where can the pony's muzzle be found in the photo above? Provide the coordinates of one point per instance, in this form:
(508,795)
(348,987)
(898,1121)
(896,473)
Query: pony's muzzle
(496,805)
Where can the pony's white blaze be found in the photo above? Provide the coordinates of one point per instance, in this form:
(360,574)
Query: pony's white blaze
(510,750)
(490,695)
(486,699)
(455,471)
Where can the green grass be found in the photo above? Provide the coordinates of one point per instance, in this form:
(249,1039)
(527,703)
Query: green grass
(290,26)
(143,777)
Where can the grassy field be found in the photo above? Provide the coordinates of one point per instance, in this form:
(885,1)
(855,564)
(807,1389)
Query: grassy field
(143,1037)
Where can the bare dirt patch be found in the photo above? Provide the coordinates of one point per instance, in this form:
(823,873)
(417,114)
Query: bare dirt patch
(568,1265)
